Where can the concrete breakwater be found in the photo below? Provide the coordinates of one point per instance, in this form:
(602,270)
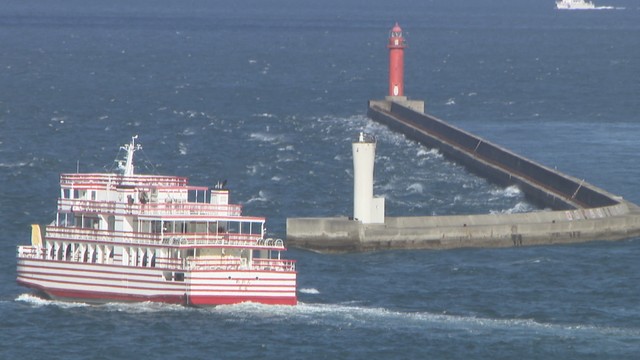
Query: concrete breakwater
(544,186)
(580,211)
(337,235)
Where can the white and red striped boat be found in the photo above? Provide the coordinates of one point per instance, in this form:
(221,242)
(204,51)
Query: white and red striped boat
(130,237)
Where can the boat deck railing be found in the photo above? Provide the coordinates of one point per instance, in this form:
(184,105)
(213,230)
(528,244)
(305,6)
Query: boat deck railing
(176,264)
(148,209)
(67,180)
(164,240)
(238,263)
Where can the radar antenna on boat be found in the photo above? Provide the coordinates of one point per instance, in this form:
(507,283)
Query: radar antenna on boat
(126,166)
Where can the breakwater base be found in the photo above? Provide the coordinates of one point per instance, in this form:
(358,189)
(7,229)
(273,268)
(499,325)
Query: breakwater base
(579,211)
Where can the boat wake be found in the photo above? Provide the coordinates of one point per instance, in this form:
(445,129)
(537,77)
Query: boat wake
(37,301)
(601,8)
(134,308)
(356,316)
(350,315)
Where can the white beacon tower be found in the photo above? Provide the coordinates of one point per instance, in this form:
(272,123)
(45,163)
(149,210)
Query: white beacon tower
(366,208)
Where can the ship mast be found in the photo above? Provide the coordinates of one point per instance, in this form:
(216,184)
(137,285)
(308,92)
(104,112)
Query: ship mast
(127,168)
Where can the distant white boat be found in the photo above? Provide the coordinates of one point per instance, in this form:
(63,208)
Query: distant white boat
(574,5)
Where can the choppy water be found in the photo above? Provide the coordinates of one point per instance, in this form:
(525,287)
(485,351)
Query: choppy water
(269,95)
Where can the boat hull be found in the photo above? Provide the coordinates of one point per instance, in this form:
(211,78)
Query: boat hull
(103,283)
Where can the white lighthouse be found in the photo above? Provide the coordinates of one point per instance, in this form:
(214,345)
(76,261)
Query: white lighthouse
(366,208)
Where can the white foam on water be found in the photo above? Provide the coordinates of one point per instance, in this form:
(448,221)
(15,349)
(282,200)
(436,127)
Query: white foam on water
(262,197)
(415,188)
(188,132)
(182,148)
(429,152)
(143,307)
(286,148)
(18,164)
(264,115)
(133,307)
(520,207)
(265,137)
(354,315)
(309,291)
(38,301)
(509,192)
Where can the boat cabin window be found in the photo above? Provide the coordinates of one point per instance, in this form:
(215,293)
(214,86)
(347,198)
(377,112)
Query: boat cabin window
(233,227)
(200,227)
(245,228)
(67,219)
(197,196)
(156,226)
(253,228)
(88,222)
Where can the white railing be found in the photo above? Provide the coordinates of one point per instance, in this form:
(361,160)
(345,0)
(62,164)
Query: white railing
(198,263)
(236,263)
(149,209)
(67,180)
(138,238)
(31,252)
(274,264)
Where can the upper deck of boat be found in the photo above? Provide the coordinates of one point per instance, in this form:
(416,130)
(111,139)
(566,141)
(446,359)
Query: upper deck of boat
(104,180)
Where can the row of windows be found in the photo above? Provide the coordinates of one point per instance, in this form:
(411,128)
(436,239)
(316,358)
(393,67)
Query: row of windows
(158,226)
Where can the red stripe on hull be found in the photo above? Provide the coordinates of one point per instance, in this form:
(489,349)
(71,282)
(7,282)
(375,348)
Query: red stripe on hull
(228,300)
(92,297)
(104,297)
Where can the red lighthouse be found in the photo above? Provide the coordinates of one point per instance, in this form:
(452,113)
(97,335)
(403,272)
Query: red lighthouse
(396,61)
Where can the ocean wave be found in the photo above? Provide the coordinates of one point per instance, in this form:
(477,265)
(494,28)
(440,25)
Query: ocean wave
(264,137)
(509,192)
(415,188)
(188,132)
(262,197)
(182,148)
(264,115)
(286,148)
(520,207)
(134,307)
(309,291)
(14,165)
(39,301)
(433,152)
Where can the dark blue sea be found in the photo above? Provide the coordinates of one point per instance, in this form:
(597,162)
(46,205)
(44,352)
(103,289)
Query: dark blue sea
(269,94)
